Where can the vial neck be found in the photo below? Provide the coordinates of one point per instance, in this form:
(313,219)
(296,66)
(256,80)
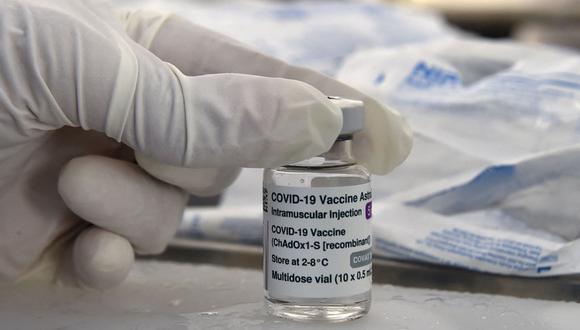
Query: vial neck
(340,154)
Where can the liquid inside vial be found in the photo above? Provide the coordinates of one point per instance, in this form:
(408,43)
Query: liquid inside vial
(317,238)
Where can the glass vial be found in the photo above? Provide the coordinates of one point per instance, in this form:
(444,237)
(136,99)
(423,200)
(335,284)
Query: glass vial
(317,232)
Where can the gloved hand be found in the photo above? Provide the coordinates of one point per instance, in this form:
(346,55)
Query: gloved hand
(81,96)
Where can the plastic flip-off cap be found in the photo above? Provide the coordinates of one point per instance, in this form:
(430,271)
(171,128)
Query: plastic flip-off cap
(353,112)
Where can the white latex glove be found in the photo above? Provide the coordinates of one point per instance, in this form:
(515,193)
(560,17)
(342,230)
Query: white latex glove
(76,89)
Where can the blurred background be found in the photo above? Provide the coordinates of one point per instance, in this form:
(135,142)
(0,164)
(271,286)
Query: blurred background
(545,21)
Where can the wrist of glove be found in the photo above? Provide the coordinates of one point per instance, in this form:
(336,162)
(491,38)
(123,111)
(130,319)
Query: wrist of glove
(194,106)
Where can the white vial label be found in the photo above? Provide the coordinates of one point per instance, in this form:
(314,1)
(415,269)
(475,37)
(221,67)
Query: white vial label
(318,241)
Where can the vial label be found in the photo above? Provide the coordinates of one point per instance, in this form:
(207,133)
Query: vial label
(318,241)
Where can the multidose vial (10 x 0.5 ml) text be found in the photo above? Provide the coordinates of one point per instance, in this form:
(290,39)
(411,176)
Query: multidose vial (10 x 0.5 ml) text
(317,232)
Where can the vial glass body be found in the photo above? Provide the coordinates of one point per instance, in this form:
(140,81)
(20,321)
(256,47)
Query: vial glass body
(334,172)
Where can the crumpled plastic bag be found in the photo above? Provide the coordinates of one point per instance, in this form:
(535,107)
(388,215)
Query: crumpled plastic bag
(505,117)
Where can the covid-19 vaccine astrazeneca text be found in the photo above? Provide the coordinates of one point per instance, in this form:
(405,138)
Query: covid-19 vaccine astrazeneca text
(317,232)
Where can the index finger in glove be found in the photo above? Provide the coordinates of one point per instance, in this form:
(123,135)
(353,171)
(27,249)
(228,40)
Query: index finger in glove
(383,144)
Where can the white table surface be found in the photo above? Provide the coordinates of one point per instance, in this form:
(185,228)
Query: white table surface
(164,295)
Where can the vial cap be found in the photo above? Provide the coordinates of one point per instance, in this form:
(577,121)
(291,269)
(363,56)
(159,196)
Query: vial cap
(352,114)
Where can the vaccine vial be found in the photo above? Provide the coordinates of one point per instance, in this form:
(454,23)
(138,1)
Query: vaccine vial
(317,232)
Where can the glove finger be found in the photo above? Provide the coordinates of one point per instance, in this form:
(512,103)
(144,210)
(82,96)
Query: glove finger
(383,144)
(196,181)
(101,259)
(225,120)
(121,198)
